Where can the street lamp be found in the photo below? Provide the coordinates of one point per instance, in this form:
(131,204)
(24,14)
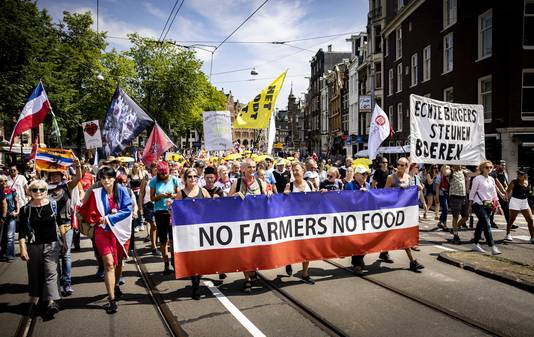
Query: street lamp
(253,72)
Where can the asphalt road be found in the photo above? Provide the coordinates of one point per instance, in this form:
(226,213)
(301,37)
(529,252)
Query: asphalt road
(354,305)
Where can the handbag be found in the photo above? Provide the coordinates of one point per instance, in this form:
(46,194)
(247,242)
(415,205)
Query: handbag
(86,228)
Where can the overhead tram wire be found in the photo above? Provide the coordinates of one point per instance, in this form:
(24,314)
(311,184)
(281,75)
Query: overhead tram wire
(166,22)
(172,22)
(258,79)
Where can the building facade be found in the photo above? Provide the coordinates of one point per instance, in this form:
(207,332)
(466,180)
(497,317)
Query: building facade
(448,50)
(245,137)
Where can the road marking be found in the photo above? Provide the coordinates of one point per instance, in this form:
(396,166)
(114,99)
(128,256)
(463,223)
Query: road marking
(254,331)
(522,237)
(446,248)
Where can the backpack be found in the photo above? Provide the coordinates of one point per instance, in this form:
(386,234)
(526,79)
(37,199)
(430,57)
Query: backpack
(238,186)
(27,210)
(307,182)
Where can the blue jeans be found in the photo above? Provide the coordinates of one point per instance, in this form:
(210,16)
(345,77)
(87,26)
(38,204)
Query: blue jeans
(11,226)
(444,204)
(483,224)
(66,261)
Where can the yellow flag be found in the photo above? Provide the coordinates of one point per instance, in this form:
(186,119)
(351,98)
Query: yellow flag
(256,114)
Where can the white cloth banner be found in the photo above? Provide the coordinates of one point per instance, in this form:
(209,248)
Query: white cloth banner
(378,131)
(92,135)
(446,133)
(217,130)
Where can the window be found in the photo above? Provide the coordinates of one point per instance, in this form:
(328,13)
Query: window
(386,46)
(485,34)
(378,75)
(447,53)
(527,94)
(400,4)
(528,25)
(449,13)
(414,72)
(398,43)
(390,82)
(399,117)
(484,96)
(448,94)
(390,114)
(399,77)
(426,63)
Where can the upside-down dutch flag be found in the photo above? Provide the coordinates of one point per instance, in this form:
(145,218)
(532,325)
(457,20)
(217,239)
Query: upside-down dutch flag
(33,113)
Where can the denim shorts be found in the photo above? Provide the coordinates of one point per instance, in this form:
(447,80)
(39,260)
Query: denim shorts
(148,211)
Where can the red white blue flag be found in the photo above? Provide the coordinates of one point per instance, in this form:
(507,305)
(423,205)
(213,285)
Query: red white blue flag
(33,113)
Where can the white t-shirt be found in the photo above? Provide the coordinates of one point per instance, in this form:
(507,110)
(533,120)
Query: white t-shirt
(18,184)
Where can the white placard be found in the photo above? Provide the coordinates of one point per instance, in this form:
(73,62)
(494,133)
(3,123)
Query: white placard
(446,133)
(365,103)
(92,135)
(217,130)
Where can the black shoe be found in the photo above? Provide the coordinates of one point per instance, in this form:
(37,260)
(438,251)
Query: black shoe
(51,310)
(247,286)
(118,293)
(515,227)
(357,271)
(111,307)
(308,279)
(415,266)
(167,270)
(456,240)
(195,282)
(384,256)
(289,270)
(155,252)
(416,249)
(222,276)
(253,277)
(494,225)
(147,239)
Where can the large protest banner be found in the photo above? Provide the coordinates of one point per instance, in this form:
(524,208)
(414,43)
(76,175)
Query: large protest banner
(48,159)
(229,234)
(217,130)
(446,133)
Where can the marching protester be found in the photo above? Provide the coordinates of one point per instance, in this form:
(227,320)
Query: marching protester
(235,172)
(500,175)
(300,185)
(381,173)
(192,190)
(136,178)
(332,182)
(147,210)
(19,183)
(261,175)
(281,175)
(518,192)
(483,199)
(40,244)
(430,188)
(311,172)
(223,181)
(199,166)
(401,179)
(61,192)
(163,188)
(110,209)
(123,180)
(210,177)
(9,210)
(458,202)
(349,175)
(442,190)
(247,184)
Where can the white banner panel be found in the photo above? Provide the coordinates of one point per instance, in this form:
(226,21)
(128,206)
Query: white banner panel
(446,133)
(217,130)
(92,135)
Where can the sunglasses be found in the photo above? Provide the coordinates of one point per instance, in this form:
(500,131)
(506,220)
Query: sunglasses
(35,190)
(489,167)
(329,176)
(384,162)
(192,177)
(401,165)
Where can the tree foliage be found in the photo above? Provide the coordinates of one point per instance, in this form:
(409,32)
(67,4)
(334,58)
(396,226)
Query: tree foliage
(69,57)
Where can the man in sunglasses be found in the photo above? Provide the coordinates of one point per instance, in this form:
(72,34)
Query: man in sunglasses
(381,174)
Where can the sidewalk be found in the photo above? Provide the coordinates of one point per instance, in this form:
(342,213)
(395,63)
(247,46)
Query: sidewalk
(515,266)
(82,313)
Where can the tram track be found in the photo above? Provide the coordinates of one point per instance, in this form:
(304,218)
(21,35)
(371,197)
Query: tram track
(27,322)
(433,306)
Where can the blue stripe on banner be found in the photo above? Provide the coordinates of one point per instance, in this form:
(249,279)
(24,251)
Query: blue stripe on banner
(188,212)
(54,158)
(36,92)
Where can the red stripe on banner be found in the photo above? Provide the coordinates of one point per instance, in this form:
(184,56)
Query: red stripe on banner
(214,261)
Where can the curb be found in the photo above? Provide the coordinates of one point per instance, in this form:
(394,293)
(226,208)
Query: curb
(518,283)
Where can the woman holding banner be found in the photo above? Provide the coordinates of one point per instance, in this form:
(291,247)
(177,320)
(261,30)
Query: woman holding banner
(401,179)
(484,199)
(300,185)
(192,190)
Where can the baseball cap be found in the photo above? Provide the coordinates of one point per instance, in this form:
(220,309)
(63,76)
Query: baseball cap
(360,169)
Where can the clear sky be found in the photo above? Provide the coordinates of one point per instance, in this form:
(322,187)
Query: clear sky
(214,20)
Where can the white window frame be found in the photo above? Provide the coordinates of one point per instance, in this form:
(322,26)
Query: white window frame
(399,77)
(449,17)
(398,43)
(482,31)
(445,91)
(480,98)
(427,68)
(386,46)
(414,71)
(399,117)
(390,114)
(390,82)
(525,15)
(530,71)
(446,51)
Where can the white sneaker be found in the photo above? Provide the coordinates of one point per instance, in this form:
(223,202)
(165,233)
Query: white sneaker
(477,248)
(142,228)
(495,250)
(508,237)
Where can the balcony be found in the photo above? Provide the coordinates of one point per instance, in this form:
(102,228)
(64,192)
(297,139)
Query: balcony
(375,14)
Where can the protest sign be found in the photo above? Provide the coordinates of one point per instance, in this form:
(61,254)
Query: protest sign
(47,159)
(217,130)
(92,135)
(229,234)
(446,133)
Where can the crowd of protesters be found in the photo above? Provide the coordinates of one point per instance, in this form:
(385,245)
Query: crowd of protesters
(42,207)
